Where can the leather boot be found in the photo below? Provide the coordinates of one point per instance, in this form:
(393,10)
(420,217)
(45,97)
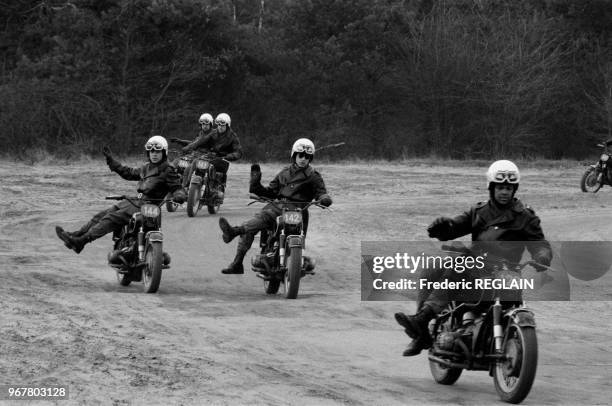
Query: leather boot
(235,267)
(416,326)
(229,232)
(75,243)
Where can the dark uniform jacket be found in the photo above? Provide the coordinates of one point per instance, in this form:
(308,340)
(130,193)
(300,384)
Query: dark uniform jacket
(155,181)
(201,134)
(518,223)
(294,184)
(226,145)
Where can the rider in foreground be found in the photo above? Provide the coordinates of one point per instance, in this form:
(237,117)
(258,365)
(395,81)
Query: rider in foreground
(502,218)
(156,179)
(299,182)
(223,142)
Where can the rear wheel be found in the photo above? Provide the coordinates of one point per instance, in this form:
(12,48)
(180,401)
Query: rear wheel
(514,376)
(442,374)
(293,273)
(590,181)
(151,273)
(193,199)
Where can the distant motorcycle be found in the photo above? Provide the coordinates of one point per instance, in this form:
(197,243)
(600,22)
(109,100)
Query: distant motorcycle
(184,161)
(281,259)
(204,186)
(598,174)
(496,334)
(138,254)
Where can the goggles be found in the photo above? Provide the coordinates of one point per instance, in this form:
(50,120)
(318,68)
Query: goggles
(206,122)
(221,123)
(154,146)
(304,155)
(305,148)
(506,176)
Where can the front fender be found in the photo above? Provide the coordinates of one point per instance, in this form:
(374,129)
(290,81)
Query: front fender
(522,317)
(294,241)
(196,180)
(154,236)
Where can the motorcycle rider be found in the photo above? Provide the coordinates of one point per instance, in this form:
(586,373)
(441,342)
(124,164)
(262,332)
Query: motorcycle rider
(502,218)
(206,127)
(298,182)
(224,142)
(156,179)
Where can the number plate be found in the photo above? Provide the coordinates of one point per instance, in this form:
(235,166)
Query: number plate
(292,217)
(150,210)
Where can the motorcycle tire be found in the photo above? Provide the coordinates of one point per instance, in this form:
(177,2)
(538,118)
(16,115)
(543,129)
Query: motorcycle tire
(213,208)
(293,274)
(271,286)
(514,377)
(589,182)
(151,273)
(193,200)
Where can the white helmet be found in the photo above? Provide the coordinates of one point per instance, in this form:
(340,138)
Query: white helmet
(303,145)
(157,143)
(503,171)
(205,119)
(222,119)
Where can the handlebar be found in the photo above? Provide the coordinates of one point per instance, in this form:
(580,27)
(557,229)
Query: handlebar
(132,199)
(276,202)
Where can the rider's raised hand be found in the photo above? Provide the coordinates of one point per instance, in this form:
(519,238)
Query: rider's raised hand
(440,227)
(255,174)
(108,153)
(326,200)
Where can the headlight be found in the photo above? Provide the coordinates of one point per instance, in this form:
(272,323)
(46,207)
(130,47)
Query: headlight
(604,157)
(202,165)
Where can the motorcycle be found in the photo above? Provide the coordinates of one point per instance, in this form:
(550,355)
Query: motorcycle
(497,333)
(204,186)
(599,174)
(184,161)
(281,259)
(138,254)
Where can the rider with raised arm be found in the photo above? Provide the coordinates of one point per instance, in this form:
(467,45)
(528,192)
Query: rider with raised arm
(502,218)
(156,179)
(223,142)
(299,182)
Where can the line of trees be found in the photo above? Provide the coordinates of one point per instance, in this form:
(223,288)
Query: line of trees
(391,78)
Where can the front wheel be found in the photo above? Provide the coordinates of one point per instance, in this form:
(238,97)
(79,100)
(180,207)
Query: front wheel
(193,199)
(151,273)
(590,182)
(514,376)
(293,272)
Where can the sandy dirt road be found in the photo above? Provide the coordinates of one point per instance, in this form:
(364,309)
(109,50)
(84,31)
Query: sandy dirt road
(208,338)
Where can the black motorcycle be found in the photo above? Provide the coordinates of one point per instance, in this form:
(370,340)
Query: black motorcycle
(598,174)
(281,259)
(205,186)
(138,254)
(184,161)
(496,333)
